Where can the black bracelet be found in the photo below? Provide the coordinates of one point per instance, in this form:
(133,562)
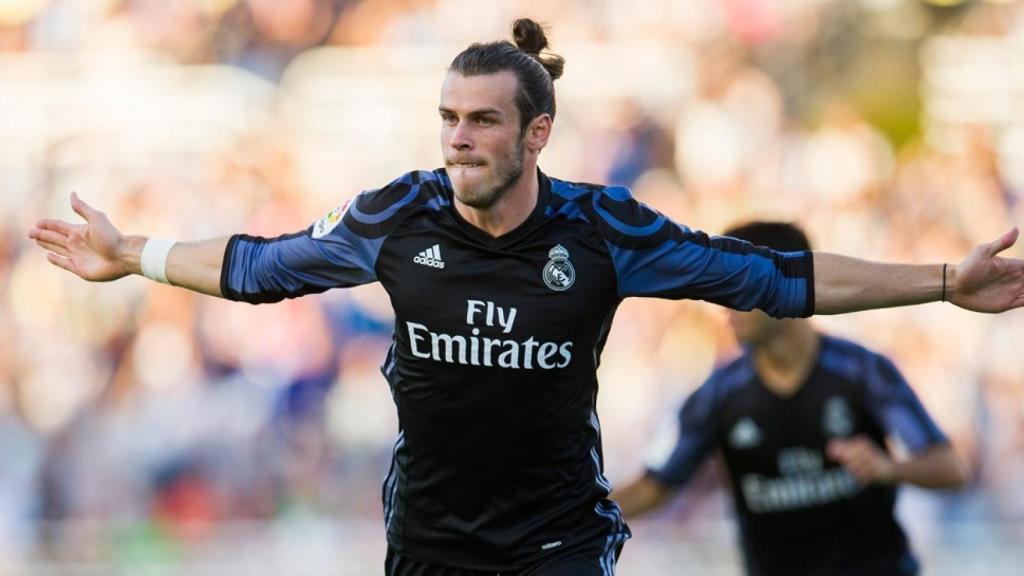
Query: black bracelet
(944,281)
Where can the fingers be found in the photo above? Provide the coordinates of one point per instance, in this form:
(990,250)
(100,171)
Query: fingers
(57,225)
(842,449)
(1004,242)
(862,474)
(61,262)
(55,248)
(60,226)
(82,209)
(835,449)
(862,459)
(859,464)
(48,236)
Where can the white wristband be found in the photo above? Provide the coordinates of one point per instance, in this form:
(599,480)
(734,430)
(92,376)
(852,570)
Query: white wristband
(154,259)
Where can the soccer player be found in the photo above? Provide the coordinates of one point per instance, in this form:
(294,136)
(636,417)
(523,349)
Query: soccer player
(801,420)
(504,282)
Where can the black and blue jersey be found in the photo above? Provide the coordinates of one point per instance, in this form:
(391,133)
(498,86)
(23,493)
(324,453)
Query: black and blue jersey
(496,344)
(798,511)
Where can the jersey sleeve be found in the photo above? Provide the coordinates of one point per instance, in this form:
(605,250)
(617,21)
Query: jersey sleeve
(897,408)
(654,256)
(685,441)
(339,250)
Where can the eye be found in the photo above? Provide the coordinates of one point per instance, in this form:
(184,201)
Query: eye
(448,118)
(484,121)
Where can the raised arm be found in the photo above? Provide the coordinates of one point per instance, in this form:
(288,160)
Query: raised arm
(983,282)
(97,251)
(337,251)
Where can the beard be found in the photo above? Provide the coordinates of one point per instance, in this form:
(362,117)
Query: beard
(507,172)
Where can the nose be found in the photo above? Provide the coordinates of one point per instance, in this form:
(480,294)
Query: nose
(458,137)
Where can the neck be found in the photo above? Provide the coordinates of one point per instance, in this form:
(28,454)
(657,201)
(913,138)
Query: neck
(785,360)
(511,210)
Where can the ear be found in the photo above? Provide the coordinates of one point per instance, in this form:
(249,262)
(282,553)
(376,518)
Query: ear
(538,132)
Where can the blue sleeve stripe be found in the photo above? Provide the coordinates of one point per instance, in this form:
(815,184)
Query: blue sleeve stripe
(225,270)
(778,283)
(654,256)
(568,191)
(892,400)
(437,203)
(914,429)
(888,397)
(442,176)
(261,270)
(267,270)
(372,219)
(622,227)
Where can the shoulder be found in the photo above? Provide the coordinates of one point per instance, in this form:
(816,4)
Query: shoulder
(375,213)
(729,378)
(853,361)
(420,189)
(617,215)
(734,374)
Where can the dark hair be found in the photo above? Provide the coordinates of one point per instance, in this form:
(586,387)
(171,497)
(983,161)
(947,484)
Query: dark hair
(781,236)
(535,73)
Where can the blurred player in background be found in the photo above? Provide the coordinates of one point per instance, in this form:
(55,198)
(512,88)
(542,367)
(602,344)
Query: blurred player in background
(801,420)
(504,284)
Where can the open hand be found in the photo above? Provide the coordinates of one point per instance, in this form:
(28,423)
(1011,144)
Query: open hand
(87,250)
(986,282)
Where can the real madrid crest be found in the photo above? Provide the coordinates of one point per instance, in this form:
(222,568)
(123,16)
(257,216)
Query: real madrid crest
(837,418)
(558,272)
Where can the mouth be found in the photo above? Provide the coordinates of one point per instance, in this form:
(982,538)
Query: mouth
(465,164)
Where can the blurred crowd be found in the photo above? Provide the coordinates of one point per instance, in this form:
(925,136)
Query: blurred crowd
(135,417)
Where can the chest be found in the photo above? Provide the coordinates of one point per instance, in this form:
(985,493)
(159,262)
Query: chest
(760,432)
(554,284)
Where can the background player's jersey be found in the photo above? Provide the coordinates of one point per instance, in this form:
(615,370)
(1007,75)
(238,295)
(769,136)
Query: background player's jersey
(799,512)
(497,340)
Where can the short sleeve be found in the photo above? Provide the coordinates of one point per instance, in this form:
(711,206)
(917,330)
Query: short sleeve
(685,440)
(895,405)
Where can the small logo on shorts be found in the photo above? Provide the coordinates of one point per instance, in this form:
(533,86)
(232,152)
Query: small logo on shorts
(551,545)
(558,272)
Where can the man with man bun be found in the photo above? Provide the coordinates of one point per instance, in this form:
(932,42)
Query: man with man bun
(504,282)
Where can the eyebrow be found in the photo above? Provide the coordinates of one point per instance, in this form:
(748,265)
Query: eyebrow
(472,113)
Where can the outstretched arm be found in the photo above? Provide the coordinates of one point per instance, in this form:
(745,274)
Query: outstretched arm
(983,282)
(97,251)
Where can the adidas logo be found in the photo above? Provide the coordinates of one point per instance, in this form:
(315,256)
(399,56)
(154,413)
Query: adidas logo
(430,257)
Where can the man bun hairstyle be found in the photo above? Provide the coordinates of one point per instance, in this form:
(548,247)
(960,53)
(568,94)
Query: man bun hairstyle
(535,72)
(530,38)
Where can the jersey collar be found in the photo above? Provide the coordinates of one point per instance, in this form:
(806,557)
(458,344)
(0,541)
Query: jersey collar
(536,218)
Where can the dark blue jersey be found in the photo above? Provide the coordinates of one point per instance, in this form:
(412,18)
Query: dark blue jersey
(799,512)
(497,340)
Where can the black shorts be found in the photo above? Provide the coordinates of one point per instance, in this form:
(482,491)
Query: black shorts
(583,563)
